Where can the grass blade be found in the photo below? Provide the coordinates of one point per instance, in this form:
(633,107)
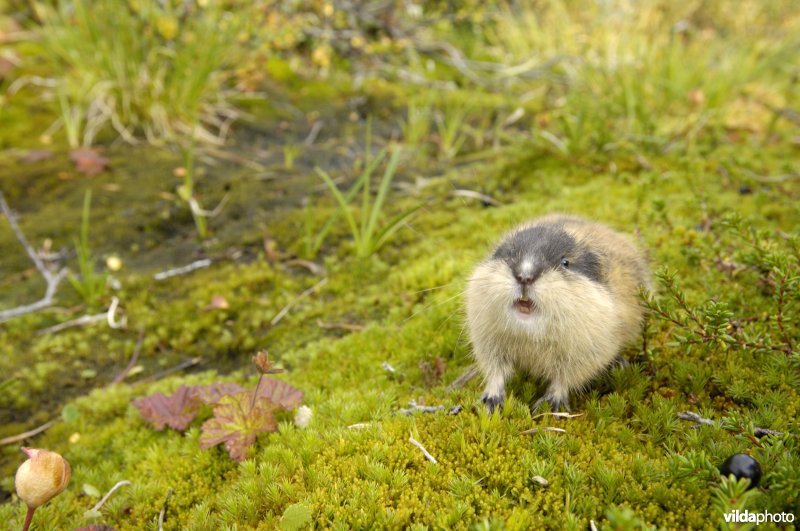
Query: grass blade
(386,181)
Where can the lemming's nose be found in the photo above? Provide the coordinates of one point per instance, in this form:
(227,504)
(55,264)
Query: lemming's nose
(526,278)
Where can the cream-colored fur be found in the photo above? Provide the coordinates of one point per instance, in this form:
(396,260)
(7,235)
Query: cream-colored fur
(578,326)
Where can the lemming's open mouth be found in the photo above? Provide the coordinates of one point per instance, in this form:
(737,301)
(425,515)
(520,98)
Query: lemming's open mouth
(524,306)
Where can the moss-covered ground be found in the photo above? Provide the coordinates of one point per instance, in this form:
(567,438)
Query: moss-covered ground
(675,124)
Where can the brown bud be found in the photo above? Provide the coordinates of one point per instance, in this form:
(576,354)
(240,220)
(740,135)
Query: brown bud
(42,477)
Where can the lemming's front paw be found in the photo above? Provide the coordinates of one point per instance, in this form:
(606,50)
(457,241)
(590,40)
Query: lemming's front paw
(494,402)
(556,403)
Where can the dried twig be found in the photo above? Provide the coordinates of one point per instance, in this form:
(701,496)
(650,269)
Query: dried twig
(134,358)
(697,419)
(109,493)
(413,407)
(163,512)
(52,279)
(281,314)
(558,414)
(179,367)
(312,135)
(472,194)
(470,373)
(428,456)
(30,433)
(198,264)
(313,267)
(544,428)
(109,316)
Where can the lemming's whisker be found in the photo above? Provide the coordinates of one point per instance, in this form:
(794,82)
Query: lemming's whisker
(433,288)
(433,305)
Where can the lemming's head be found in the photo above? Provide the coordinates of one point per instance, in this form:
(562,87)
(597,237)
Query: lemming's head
(542,270)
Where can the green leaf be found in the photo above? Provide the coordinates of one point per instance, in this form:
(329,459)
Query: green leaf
(393,226)
(297,516)
(91,490)
(388,175)
(343,201)
(70,414)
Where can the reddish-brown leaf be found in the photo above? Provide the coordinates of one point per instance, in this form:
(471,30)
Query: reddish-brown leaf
(237,421)
(88,161)
(280,393)
(175,411)
(261,360)
(36,155)
(210,394)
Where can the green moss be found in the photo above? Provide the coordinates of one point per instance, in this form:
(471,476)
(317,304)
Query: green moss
(627,462)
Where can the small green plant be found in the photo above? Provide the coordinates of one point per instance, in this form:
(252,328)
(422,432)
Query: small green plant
(450,124)
(90,285)
(732,495)
(290,153)
(140,69)
(186,193)
(240,414)
(416,127)
(714,325)
(367,236)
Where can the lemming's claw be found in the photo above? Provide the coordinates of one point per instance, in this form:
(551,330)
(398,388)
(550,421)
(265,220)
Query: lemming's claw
(493,402)
(556,403)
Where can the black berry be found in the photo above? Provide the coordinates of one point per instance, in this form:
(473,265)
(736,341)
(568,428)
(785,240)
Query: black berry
(742,466)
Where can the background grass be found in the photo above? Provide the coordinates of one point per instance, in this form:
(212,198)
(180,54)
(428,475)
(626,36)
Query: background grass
(676,123)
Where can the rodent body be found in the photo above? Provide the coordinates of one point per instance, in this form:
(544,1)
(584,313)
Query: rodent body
(557,298)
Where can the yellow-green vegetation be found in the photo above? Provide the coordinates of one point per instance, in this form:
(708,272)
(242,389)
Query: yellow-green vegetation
(676,122)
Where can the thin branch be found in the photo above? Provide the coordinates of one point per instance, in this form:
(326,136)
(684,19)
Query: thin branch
(413,407)
(134,358)
(109,493)
(281,314)
(108,316)
(52,279)
(697,419)
(198,264)
(313,267)
(557,414)
(779,314)
(312,135)
(179,367)
(163,513)
(428,456)
(545,428)
(21,237)
(470,373)
(30,433)
(471,194)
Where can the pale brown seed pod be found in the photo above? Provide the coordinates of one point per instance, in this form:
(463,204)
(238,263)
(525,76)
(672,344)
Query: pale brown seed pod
(42,477)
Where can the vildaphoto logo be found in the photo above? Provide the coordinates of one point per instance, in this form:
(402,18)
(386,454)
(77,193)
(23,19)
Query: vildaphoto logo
(742,517)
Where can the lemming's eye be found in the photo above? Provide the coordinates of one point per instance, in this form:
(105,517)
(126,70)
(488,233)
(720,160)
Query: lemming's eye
(564,262)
